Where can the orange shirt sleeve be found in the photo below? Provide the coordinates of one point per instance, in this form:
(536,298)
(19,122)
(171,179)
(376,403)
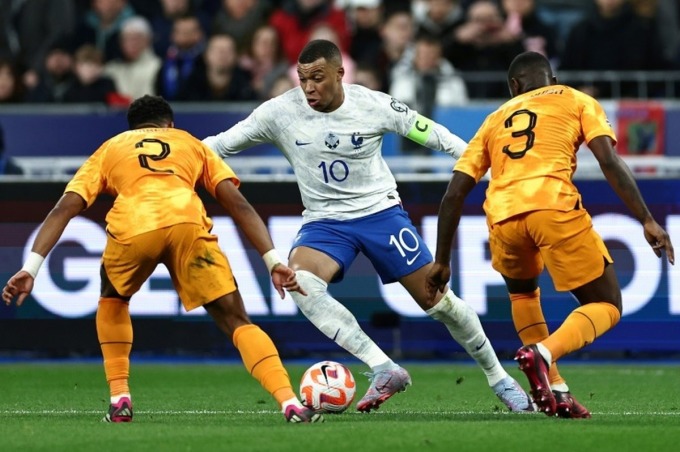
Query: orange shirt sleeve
(593,119)
(215,170)
(475,161)
(89,181)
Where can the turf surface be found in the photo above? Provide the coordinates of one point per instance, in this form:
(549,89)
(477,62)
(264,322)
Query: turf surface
(217,406)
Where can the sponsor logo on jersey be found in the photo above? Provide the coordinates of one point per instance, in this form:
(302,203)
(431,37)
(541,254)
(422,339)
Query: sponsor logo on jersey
(302,143)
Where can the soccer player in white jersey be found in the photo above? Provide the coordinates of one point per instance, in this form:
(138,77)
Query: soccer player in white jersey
(331,133)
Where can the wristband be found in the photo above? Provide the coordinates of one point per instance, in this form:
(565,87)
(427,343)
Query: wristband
(32,264)
(271,259)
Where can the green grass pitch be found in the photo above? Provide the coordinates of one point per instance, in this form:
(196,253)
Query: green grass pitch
(218,406)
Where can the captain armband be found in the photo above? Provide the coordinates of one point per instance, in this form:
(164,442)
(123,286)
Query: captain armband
(421,129)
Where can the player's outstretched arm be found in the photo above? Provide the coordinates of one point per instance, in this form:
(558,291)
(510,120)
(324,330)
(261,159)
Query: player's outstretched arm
(250,222)
(450,211)
(21,284)
(433,135)
(622,181)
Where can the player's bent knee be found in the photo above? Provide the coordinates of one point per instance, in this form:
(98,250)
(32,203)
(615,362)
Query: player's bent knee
(311,283)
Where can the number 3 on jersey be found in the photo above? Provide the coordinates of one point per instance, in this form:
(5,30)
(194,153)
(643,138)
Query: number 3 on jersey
(144,158)
(527,132)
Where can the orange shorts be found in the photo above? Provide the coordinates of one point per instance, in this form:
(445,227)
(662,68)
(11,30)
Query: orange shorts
(566,241)
(199,269)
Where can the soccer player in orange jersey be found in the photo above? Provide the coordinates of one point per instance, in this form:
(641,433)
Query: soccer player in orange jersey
(536,218)
(157,217)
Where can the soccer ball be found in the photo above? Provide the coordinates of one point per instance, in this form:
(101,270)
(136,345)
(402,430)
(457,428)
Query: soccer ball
(328,387)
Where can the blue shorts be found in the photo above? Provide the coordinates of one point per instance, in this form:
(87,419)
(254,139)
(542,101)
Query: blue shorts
(387,238)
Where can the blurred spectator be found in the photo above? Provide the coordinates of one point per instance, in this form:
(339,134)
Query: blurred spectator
(439,18)
(366,19)
(328,33)
(428,82)
(56,75)
(613,38)
(562,15)
(296,19)
(11,86)
(281,84)
(91,84)
(239,18)
(264,59)
(392,6)
(484,43)
(664,15)
(367,75)
(7,164)
(397,44)
(100,26)
(535,34)
(220,78)
(183,55)
(135,73)
(31,27)
(162,22)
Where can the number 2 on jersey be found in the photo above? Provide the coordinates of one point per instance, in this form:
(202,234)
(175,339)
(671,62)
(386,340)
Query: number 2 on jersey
(144,158)
(528,132)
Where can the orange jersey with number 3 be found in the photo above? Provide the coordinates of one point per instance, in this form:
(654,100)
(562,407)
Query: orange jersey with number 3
(530,144)
(152,174)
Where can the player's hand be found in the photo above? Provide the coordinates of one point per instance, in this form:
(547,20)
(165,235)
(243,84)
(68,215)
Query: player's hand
(659,240)
(437,279)
(283,277)
(19,285)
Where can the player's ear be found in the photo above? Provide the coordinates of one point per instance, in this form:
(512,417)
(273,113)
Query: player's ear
(341,72)
(513,85)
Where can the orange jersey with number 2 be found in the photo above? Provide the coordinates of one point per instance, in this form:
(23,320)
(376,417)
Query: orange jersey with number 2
(530,144)
(153,174)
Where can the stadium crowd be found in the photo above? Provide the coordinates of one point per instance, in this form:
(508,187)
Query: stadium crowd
(113,51)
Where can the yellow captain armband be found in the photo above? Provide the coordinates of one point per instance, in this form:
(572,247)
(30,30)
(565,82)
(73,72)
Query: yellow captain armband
(421,129)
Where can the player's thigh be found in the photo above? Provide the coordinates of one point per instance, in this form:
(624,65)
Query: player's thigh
(199,269)
(127,264)
(334,239)
(513,252)
(392,244)
(573,251)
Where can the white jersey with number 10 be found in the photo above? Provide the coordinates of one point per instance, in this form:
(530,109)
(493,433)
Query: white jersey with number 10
(337,156)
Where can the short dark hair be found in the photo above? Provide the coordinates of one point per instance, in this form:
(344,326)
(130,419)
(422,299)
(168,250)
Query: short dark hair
(149,110)
(527,64)
(320,48)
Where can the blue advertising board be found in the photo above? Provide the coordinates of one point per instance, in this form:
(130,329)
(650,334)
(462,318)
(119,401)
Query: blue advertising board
(68,286)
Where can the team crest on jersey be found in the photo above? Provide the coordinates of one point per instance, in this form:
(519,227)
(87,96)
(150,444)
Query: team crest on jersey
(398,105)
(332,141)
(357,140)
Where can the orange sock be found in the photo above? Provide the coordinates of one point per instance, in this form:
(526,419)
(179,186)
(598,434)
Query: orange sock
(582,327)
(114,330)
(262,361)
(530,324)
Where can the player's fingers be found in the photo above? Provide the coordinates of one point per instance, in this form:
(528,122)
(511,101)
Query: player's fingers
(670,252)
(280,290)
(20,299)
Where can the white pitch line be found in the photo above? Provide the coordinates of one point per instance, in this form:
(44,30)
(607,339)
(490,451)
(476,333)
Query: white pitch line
(233,412)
